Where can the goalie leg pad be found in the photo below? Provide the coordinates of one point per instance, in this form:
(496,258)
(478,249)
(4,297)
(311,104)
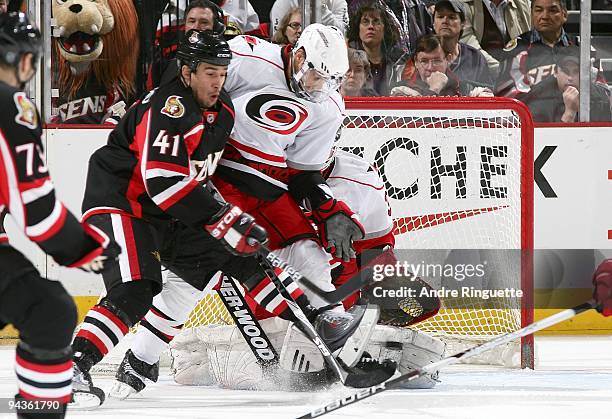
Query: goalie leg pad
(411,349)
(232,362)
(190,365)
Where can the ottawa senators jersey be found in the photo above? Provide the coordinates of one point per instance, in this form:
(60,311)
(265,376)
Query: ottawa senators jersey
(276,132)
(355,182)
(27,194)
(158,156)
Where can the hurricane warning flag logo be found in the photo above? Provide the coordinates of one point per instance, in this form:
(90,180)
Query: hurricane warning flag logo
(279,114)
(26,111)
(173,108)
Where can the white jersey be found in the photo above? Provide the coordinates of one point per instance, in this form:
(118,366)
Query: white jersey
(355,182)
(273,126)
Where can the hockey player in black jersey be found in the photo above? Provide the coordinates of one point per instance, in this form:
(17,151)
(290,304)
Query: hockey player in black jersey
(148,188)
(41,310)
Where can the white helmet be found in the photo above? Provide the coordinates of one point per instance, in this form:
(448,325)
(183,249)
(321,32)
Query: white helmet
(325,65)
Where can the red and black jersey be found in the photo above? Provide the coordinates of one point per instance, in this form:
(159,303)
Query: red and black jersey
(158,156)
(26,191)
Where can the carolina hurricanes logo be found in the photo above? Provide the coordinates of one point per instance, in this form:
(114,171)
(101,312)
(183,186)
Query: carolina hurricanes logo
(26,111)
(279,114)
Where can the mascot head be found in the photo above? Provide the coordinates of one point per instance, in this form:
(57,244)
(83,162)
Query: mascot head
(99,36)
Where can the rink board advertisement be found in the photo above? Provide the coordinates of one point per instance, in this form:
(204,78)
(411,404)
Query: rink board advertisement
(572,195)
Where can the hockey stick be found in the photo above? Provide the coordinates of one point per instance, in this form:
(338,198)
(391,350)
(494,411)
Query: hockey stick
(354,284)
(243,317)
(259,343)
(349,377)
(453,359)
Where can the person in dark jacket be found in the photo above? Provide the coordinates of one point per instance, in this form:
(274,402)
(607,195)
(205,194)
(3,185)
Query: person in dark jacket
(433,76)
(557,97)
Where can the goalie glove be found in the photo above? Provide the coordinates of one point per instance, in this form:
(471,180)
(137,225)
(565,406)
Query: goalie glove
(602,280)
(236,230)
(338,228)
(97,260)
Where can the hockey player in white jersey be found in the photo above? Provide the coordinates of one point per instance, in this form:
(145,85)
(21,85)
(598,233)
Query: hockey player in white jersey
(288,111)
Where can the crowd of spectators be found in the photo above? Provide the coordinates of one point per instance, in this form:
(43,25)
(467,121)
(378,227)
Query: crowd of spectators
(512,48)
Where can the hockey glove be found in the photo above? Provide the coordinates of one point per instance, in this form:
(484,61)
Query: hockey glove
(338,227)
(97,261)
(237,230)
(602,279)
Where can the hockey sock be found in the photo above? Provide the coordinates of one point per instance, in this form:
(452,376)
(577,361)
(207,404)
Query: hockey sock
(266,295)
(104,326)
(155,332)
(43,375)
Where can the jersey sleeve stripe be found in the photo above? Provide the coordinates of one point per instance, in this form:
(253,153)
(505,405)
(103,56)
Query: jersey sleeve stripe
(250,170)
(49,226)
(256,152)
(175,193)
(32,194)
(169,168)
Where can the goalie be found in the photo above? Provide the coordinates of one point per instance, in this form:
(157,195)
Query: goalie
(209,355)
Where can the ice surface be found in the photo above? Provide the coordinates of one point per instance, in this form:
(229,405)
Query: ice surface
(573,380)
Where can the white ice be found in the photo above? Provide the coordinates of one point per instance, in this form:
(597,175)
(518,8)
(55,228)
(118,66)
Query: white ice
(573,380)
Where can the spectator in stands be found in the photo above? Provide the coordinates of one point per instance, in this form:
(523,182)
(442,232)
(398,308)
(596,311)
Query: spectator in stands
(3,6)
(200,15)
(530,58)
(356,81)
(333,13)
(491,24)
(289,28)
(557,97)
(433,76)
(371,30)
(465,61)
(410,15)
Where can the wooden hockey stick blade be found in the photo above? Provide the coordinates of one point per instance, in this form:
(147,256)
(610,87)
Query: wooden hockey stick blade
(453,359)
(354,284)
(351,377)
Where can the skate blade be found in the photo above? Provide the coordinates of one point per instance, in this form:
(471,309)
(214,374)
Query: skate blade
(121,391)
(87,400)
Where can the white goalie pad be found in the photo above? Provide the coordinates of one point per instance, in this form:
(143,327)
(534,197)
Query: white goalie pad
(218,354)
(299,354)
(190,365)
(411,349)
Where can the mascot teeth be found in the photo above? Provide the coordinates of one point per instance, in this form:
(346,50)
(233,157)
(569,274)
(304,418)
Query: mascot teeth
(86,47)
(95,29)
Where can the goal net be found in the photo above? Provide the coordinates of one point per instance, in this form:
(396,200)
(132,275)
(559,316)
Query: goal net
(459,176)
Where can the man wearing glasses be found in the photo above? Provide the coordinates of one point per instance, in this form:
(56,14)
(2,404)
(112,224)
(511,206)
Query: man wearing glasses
(433,76)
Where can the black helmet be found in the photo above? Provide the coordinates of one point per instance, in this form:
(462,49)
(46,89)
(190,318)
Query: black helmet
(203,46)
(17,37)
